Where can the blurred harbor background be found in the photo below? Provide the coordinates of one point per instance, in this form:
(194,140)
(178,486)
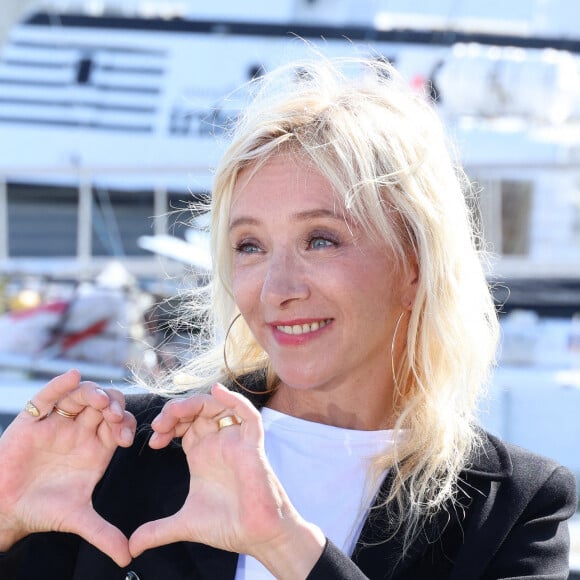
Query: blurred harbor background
(113,114)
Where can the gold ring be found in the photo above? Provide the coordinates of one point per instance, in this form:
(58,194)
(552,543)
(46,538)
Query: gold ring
(228,421)
(31,409)
(64,413)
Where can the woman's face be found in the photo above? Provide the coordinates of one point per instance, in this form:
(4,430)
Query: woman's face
(319,295)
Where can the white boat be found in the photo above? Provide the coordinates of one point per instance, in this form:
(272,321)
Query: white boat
(120,116)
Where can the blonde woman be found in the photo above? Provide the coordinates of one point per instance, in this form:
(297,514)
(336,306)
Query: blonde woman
(353,327)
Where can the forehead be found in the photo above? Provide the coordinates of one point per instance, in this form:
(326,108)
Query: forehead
(283,180)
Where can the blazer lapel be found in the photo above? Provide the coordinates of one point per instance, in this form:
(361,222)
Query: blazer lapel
(491,465)
(378,549)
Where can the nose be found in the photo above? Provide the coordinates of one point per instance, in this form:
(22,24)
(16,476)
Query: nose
(285,280)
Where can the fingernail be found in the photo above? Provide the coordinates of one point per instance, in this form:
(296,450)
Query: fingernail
(126,435)
(100,391)
(116,408)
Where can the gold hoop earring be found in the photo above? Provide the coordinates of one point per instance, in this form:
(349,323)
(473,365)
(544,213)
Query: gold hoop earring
(230,373)
(393,341)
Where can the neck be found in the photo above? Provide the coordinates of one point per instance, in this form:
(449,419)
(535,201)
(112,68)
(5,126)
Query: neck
(327,408)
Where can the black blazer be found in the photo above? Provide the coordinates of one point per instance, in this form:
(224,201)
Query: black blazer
(512,524)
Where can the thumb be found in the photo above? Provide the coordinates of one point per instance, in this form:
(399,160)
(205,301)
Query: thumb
(104,536)
(155,533)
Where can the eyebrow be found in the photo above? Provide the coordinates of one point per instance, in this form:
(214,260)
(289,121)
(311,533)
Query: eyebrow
(300,216)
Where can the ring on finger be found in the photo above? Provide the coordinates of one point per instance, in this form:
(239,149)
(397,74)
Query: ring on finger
(228,421)
(64,413)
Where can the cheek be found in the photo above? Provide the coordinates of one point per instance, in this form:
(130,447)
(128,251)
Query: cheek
(376,291)
(246,290)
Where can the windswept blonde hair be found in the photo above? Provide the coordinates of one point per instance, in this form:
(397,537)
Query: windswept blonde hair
(383,148)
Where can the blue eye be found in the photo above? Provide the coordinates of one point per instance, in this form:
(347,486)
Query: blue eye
(318,243)
(247,248)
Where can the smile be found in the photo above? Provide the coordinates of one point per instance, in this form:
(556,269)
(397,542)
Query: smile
(303,328)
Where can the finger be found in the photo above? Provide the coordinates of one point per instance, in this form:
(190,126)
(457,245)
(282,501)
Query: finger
(116,409)
(187,409)
(87,394)
(123,432)
(120,432)
(104,536)
(103,410)
(109,403)
(54,390)
(156,533)
(92,403)
(250,416)
(121,423)
(178,416)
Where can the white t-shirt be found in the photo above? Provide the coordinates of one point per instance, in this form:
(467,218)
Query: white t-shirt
(324,472)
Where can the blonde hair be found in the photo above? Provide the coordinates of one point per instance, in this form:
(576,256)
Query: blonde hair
(384,150)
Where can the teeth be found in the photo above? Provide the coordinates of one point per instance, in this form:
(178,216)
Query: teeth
(302,328)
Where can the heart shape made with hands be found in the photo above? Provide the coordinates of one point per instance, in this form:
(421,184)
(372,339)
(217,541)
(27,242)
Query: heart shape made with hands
(53,462)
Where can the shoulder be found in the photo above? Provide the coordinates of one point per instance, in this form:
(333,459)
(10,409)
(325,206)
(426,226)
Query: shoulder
(517,505)
(496,459)
(519,476)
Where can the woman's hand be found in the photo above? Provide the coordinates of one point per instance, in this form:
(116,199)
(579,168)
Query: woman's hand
(235,500)
(49,465)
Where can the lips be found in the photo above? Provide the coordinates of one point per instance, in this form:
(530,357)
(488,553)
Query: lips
(303,328)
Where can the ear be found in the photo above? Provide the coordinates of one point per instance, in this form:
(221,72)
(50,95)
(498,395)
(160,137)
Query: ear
(410,283)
